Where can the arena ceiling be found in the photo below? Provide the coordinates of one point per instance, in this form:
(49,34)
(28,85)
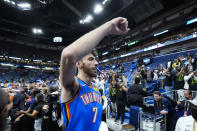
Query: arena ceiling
(61,18)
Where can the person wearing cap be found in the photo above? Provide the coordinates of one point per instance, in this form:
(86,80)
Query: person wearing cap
(188,123)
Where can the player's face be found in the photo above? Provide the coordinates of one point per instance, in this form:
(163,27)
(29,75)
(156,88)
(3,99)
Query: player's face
(89,65)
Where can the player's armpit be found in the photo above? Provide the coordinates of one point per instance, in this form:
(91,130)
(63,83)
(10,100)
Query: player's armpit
(69,91)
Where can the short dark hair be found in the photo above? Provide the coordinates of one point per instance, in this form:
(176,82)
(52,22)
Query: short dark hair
(36,91)
(190,93)
(94,52)
(52,89)
(39,97)
(156,93)
(137,80)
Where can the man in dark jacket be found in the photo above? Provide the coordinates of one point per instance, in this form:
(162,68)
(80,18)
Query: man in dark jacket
(163,106)
(121,100)
(136,93)
(186,105)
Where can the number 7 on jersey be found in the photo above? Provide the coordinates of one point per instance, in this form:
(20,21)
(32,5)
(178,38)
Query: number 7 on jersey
(95,110)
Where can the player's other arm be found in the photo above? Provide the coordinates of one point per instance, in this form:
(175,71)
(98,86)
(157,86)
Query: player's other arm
(84,45)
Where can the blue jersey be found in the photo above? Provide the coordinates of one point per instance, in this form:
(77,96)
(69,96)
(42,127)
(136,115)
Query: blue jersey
(84,111)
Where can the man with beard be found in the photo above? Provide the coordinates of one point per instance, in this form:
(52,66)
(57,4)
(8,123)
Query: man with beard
(186,105)
(188,123)
(81,104)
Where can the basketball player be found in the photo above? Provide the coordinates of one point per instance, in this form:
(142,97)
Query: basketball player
(81,104)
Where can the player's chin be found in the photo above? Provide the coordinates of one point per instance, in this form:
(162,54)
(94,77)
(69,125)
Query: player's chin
(94,73)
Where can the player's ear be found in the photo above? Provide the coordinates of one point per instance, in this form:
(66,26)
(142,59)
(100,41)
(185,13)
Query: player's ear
(79,64)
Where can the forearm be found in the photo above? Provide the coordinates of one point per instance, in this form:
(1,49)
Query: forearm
(86,43)
(124,88)
(28,114)
(19,117)
(179,73)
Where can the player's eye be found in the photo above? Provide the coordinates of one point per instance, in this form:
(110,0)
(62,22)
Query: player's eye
(91,58)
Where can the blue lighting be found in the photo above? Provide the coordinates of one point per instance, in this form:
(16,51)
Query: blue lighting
(191,21)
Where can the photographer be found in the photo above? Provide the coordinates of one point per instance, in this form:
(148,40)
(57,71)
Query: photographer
(121,101)
(193,81)
(51,111)
(143,74)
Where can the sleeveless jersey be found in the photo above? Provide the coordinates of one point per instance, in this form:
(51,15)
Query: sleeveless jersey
(84,111)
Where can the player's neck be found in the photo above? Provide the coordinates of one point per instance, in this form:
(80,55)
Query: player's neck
(85,78)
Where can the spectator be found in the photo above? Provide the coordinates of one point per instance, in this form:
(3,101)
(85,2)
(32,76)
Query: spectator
(112,95)
(179,78)
(143,74)
(37,112)
(162,74)
(187,77)
(188,123)
(52,111)
(104,102)
(189,56)
(169,64)
(18,104)
(168,82)
(156,68)
(110,76)
(4,101)
(136,93)
(186,105)
(121,101)
(149,75)
(176,64)
(123,79)
(137,75)
(193,81)
(101,83)
(164,106)
(190,65)
(28,121)
(156,73)
(195,62)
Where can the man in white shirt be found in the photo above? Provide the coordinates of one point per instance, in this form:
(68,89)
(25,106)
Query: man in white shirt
(188,123)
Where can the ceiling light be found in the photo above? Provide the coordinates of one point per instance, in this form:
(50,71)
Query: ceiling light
(105,1)
(7,1)
(161,33)
(105,53)
(37,31)
(57,39)
(191,21)
(88,18)
(98,9)
(24,5)
(117,49)
(13,3)
(81,22)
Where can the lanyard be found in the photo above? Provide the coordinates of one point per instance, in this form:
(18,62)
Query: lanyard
(194,125)
(187,106)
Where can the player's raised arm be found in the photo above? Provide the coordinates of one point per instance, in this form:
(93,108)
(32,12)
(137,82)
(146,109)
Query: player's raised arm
(84,45)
